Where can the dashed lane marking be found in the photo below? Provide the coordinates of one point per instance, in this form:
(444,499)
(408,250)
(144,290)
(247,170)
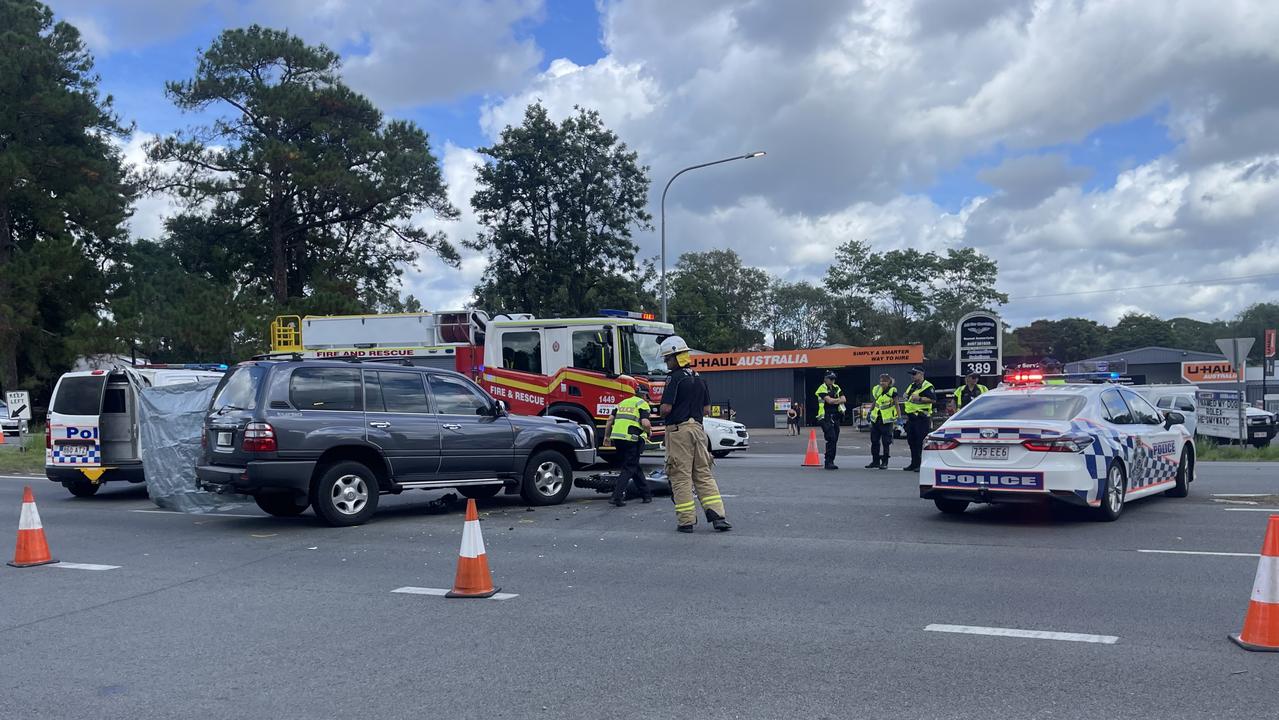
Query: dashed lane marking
(1031,634)
(441,592)
(83,566)
(1269,510)
(1199,552)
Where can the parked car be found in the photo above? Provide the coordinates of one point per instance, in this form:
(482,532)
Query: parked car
(335,435)
(1261,423)
(724,436)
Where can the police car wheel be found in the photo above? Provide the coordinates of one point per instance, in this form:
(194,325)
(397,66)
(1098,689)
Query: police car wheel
(951,507)
(82,488)
(1112,502)
(1185,474)
(720,453)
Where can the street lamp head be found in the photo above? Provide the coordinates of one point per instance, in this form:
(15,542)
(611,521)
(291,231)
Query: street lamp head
(757,153)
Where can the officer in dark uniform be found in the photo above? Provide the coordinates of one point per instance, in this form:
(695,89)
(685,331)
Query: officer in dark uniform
(917,404)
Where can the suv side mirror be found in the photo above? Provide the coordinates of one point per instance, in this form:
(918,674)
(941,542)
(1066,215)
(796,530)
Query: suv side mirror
(500,409)
(1172,417)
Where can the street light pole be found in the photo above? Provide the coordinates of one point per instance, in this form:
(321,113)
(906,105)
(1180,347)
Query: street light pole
(747,156)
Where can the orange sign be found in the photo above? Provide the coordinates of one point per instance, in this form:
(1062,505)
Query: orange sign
(822,357)
(1208,372)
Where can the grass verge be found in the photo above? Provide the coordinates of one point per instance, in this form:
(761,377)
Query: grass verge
(32,461)
(1209,451)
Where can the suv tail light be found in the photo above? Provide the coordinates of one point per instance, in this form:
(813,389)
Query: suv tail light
(1065,443)
(258,437)
(940,444)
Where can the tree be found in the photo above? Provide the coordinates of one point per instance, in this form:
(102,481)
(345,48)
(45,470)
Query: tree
(64,194)
(1136,330)
(717,304)
(1066,340)
(798,315)
(558,203)
(310,183)
(1253,322)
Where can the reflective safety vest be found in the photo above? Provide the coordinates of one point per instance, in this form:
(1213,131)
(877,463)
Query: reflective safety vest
(626,419)
(912,408)
(833,390)
(885,409)
(962,391)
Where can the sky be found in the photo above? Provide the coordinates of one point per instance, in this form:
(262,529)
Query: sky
(1111,155)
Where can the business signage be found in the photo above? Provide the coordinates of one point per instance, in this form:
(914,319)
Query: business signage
(979,344)
(816,358)
(1214,371)
(1270,343)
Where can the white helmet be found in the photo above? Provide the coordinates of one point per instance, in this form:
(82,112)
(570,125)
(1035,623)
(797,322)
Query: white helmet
(673,345)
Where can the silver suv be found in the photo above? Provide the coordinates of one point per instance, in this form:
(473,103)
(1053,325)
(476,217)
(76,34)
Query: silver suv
(334,435)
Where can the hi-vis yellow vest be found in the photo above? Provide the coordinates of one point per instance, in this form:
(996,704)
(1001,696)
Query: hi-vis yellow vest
(885,408)
(913,408)
(626,419)
(833,390)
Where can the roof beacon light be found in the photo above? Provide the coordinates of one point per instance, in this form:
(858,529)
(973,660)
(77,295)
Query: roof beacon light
(630,314)
(1024,377)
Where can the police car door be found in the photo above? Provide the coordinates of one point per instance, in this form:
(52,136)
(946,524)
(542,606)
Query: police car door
(1155,447)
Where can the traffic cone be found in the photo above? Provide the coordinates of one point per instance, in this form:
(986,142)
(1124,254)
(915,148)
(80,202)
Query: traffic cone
(1261,624)
(473,577)
(812,458)
(32,548)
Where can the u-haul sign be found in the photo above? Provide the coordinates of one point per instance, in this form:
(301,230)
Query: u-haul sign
(1213,371)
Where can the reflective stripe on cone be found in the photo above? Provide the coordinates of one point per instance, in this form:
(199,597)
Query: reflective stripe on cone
(1261,624)
(473,578)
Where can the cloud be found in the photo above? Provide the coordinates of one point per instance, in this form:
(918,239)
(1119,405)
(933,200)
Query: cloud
(149,211)
(437,285)
(1025,181)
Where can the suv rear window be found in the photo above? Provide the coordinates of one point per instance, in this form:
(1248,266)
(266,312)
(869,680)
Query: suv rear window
(240,388)
(80,395)
(334,389)
(1022,407)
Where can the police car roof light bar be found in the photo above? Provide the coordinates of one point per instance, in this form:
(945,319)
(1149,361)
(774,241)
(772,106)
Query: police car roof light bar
(630,314)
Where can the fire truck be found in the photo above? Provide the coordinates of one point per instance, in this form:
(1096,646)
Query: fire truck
(563,367)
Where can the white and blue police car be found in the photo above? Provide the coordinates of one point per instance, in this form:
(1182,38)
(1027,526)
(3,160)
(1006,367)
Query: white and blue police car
(1093,445)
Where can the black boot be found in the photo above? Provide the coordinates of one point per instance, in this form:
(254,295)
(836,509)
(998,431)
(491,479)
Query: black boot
(883,464)
(685,528)
(717,521)
(617,502)
(874,463)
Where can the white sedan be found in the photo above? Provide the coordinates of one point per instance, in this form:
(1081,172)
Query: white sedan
(1093,445)
(724,436)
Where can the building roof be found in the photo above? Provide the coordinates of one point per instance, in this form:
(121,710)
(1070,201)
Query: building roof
(1156,355)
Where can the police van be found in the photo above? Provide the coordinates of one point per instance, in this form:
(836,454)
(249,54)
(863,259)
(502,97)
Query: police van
(92,432)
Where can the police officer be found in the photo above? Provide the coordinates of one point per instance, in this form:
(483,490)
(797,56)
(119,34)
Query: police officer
(627,428)
(830,410)
(969,391)
(883,417)
(688,459)
(918,406)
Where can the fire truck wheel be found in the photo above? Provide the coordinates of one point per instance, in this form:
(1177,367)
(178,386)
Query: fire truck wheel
(548,478)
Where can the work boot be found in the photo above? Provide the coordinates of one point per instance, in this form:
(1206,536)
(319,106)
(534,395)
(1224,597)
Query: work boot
(685,528)
(646,500)
(718,521)
(911,468)
(883,464)
(874,464)
(617,502)
(832,466)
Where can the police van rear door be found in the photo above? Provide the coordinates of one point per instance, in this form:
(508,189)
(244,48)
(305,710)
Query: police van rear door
(73,420)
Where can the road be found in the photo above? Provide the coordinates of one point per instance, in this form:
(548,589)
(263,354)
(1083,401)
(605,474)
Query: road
(817,605)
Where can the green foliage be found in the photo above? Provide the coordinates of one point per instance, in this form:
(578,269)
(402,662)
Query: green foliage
(798,315)
(302,177)
(717,304)
(64,194)
(1136,330)
(1066,340)
(558,203)
(1209,451)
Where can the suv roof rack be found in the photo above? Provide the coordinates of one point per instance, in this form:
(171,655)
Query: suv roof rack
(278,356)
(353,359)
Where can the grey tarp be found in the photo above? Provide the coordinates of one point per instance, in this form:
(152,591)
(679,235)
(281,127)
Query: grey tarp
(170,422)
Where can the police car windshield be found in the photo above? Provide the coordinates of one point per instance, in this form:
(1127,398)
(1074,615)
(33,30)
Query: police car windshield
(1022,407)
(642,353)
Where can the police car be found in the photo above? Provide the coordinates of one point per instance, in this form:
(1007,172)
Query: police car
(1095,445)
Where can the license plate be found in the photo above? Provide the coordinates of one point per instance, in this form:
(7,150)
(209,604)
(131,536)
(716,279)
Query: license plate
(990,452)
(1261,434)
(74,450)
(224,439)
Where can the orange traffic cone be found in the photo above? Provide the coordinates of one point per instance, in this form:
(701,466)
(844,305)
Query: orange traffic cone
(32,548)
(1261,624)
(473,577)
(812,458)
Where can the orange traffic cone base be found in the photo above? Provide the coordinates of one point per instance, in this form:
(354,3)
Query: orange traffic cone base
(1250,646)
(488,594)
(50,561)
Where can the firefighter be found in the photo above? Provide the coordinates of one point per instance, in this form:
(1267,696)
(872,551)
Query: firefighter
(883,418)
(627,428)
(918,406)
(969,391)
(830,410)
(688,459)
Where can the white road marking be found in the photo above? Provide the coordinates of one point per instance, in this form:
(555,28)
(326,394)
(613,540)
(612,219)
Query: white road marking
(1234,495)
(83,566)
(1199,552)
(203,515)
(1032,634)
(441,592)
(27,478)
(1234,502)
(1269,510)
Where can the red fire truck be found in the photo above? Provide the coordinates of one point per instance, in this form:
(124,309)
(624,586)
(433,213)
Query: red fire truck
(565,367)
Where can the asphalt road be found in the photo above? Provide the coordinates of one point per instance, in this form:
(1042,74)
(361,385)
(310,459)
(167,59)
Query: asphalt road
(815,606)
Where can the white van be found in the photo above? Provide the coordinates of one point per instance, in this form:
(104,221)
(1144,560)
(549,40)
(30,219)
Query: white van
(92,432)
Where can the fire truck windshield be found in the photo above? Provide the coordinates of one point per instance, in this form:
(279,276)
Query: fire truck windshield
(642,353)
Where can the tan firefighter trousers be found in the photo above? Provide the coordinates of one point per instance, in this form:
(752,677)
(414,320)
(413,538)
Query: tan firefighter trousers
(688,467)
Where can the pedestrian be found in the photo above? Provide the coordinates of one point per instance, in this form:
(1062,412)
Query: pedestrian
(688,459)
(792,421)
(830,410)
(918,407)
(883,417)
(969,391)
(627,428)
